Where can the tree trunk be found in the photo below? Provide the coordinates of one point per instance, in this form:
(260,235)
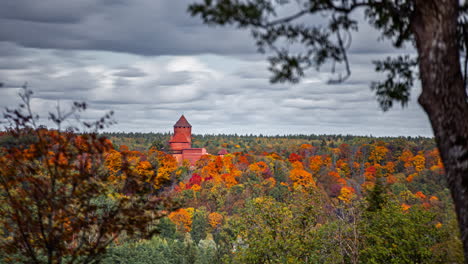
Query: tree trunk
(444,96)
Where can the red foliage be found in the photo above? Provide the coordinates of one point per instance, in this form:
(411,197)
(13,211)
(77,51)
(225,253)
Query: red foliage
(195,179)
(294,157)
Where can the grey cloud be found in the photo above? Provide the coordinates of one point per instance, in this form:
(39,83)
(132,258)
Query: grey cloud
(226,94)
(174,78)
(144,27)
(51,11)
(130,72)
(9,49)
(13,64)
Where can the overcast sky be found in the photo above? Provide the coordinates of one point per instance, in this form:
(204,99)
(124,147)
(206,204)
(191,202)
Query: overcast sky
(150,62)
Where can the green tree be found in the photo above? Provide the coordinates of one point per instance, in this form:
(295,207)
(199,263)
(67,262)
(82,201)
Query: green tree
(199,225)
(437,29)
(377,197)
(275,232)
(393,235)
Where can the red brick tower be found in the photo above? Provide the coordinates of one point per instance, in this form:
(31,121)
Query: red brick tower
(182,138)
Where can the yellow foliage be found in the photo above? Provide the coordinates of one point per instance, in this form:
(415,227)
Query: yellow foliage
(367,185)
(167,166)
(378,154)
(190,210)
(346,194)
(114,162)
(145,169)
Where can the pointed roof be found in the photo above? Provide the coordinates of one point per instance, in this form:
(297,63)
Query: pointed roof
(179,138)
(182,122)
(223,152)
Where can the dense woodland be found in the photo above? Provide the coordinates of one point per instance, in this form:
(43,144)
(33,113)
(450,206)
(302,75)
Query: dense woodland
(282,199)
(300,199)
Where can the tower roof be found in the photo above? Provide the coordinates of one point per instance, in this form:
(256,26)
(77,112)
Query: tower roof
(179,138)
(223,152)
(182,122)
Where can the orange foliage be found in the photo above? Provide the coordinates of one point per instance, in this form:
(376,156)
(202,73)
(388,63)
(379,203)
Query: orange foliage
(258,167)
(411,177)
(244,160)
(306,146)
(196,188)
(419,162)
(327,161)
(406,157)
(434,161)
(370,173)
(215,219)
(182,219)
(344,167)
(391,179)
(123,148)
(356,165)
(335,176)
(336,151)
(315,164)
(275,156)
(269,182)
(390,167)
(145,169)
(405,207)
(213,169)
(378,154)
(420,195)
(229,179)
(300,177)
(114,163)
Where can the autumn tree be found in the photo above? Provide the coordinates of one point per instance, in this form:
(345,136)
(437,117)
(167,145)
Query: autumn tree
(437,29)
(57,198)
(182,218)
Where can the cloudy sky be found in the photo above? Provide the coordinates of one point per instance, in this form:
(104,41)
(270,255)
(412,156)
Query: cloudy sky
(150,62)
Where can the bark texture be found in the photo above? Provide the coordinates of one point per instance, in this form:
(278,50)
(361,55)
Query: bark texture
(444,96)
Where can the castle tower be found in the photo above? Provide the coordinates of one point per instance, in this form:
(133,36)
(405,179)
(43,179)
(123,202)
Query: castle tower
(182,138)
